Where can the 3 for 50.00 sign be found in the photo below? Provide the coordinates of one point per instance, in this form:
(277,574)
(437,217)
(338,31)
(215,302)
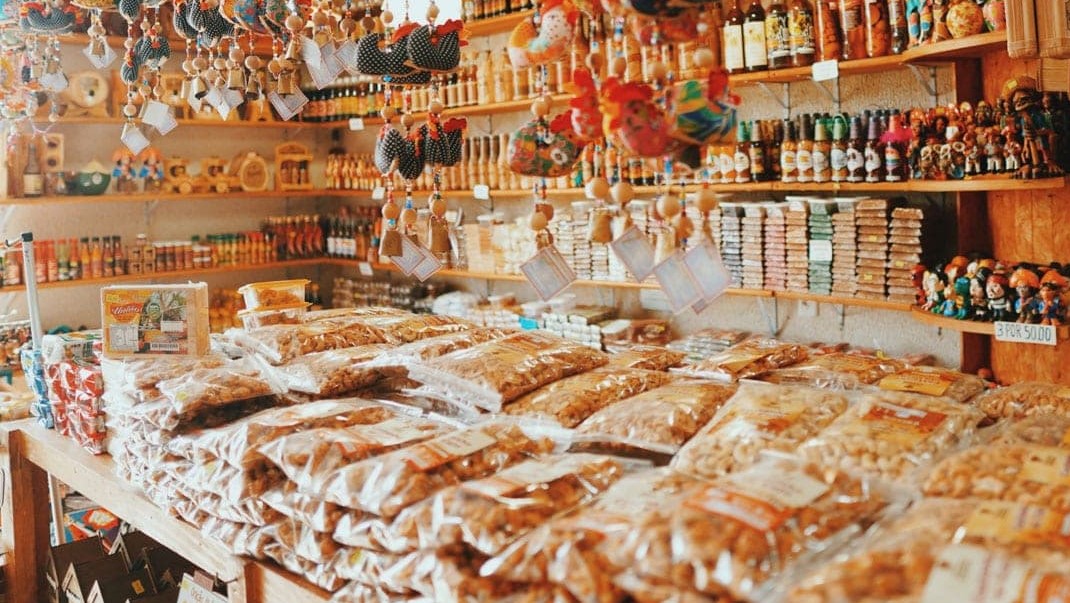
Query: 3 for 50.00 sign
(1016,332)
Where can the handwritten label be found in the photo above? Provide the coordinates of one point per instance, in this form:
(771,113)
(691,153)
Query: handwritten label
(439,451)
(481,192)
(192,592)
(1015,523)
(897,424)
(825,70)
(1016,332)
(916,381)
(356,124)
(1047,465)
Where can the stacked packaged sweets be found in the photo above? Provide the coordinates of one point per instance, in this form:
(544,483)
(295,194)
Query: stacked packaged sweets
(751,246)
(797,244)
(820,267)
(844,249)
(904,257)
(714,221)
(72,373)
(565,239)
(774,250)
(693,214)
(871,217)
(731,241)
(581,247)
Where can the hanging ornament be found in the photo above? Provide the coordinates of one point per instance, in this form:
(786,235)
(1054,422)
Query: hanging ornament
(47,16)
(390,244)
(545,37)
(436,48)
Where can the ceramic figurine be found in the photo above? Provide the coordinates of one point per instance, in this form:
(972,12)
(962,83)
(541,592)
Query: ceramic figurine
(1057,120)
(999,303)
(1050,305)
(151,172)
(984,116)
(973,155)
(993,152)
(979,294)
(1012,154)
(963,303)
(1026,283)
(1028,113)
(124,171)
(933,284)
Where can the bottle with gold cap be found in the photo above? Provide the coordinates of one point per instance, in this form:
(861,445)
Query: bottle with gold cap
(822,151)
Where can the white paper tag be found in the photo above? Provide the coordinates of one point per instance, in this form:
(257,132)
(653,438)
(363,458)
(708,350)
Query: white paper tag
(324,73)
(481,192)
(428,267)
(356,124)
(160,116)
(133,138)
(288,106)
(365,269)
(635,252)
(100,61)
(528,473)
(970,573)
(677,282)
(378,193)
(54,82)
(709,271)
(410,257)
(825,70)
(548,272)
(192,592)
(311,53)
(194,103)
(347,56)
(443,449)
(1016,332)
(820,251)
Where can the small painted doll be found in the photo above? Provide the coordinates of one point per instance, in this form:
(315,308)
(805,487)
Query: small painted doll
(1050,306)
(978,295)
(999,303)
(1025,282)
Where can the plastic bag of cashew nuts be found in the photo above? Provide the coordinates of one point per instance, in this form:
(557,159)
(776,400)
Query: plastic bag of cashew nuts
(281,343)
(893,435)
(386,484)
(934,381)
(647,357)
(1042,429)
(836,370)
(660,420)
(760,416)
(571,400)
(1024,399)
(135,378)
(735,535)
(334,372)
(406,329)
(1023,473)
(346,314)
(433,347)
(495,373)
(748,359)
(307,509)
(905,559)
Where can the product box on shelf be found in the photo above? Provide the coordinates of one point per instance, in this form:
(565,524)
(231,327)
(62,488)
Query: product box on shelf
(155,320)
(77,346)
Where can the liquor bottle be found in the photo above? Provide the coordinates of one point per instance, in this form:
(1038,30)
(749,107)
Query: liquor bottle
(853,28)
(757,154)
(741,158)
(856,149)
(897,20)
(838,152)
(96,259)
(878,29)
(33,182)
(772,158)
(822,150)
(733,39)
(107,260)
(827,30)
(804,154)
(755,50)
(789,168)
(874,153)
(778,36)
(801,33)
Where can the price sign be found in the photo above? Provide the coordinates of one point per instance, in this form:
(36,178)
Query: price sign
(378,193)
(356,124)
(191,591)
(825,70)
(481,192)
(1016,332)
(365,269)
(635,252)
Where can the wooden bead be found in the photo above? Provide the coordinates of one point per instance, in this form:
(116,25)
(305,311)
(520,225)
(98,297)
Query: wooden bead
(407,120)
(684,227)
(706,200)
(130,110)
(200,63)
(408,216)
(388,112)
(368,23)
(540,108)
(219,63)
(436,107)
(391,211)
(704,58)
(618,67)
(622,193)
(347,25)
(538,221)
(294,23)
(274,67)
(236,54)
(387,17)
(546,209)
(253,62)
(597,188)
(432,12)
(668,206)
(320,19)
(438,207)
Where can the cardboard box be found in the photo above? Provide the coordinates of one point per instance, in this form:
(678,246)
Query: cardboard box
(80,577)
(155,320)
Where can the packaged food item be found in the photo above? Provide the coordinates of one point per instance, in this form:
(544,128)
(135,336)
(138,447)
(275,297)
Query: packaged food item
(406,329)
(643,590)
(1035,475)
(361,592)
(933,381)
(622,332)
(488,513)
(647,357)
(1024,399)
(572,399)
(137,377)
(155,320)
(250,510)
(345,314)
(451,575)
(748,359)
(580,550)
(239,538)
(272,294)
(433,347)
(291,314)
(660,420)
(837,370)
(892,435)
(76,346)
(281,343)
(208,397)
(731,537)
(386,484)
(1042,429)
(334,372)
(495,373)
(758,417)
(309,458)
(363,567)
(303,508)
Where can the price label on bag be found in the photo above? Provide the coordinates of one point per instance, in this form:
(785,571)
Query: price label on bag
(635,252)
(677,282)
(548,272)
(481,192)
(1016,332)
(825,70)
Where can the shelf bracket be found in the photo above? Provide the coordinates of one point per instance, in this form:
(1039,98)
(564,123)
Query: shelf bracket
(784,99)
(771,316)
(926,76)
(833,91)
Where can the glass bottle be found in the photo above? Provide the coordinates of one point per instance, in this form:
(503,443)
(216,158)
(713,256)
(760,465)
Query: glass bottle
(96,259)
(804,154)
(741,158)
(772,156)
(822,150)
(856,152)
(853,28)
(789,168)
(801,33)
(757,154)
(838,152)
(777,36)
(755,50)
(897,21)
(827,30)
(732,34)
(878,29)
(874,153)
(894,151)
(33,182)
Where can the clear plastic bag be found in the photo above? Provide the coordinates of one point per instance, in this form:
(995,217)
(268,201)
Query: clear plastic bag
(303,508)
(748,359)
(406,329)
(313,457)
(281,343)
(451,575)
(640,590)
(239,538)
(348,314)
(1022,473)
(137,377)
(433,347)
(1024,399)
(894,435)
(758,417)
(496,373)
(933,381)
(386,484)
(361,566)
(232,484)
(572,399)
(486,514)
(1037,429)
(647,357)
(334,372)
(659,420)
(732,537)
(251,511)
(835,371)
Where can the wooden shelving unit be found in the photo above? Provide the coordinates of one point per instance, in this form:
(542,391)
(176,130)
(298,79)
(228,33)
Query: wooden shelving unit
(169,197)
(496,25)
(191,123)
(969,326)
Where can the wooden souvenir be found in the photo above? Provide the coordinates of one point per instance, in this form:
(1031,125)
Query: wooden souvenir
(86,96)
(176,176)
(292,163)
(172,93)
(251,171)
(259,110)
(52,152)
(214,176)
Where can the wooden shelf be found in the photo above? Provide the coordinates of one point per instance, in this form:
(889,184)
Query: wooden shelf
(261,43)
(496,25)
(970,326)
(193,123)
(970,47)
(857,302)
(30,452)
(169,197)
(513,106)
(170,275)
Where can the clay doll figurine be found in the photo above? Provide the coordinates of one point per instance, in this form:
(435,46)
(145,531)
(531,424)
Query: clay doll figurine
(999,305)
(963,303)
(1050,306)
(978,295)
(933,284)
(973,154)
(1026,283)
(1028,113)
(1012,154)
(918,275)
(983,115)
(993,152)
(124,171)
(151,171)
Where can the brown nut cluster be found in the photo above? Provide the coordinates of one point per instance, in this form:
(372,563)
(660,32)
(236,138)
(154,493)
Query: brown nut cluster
(1024,399)
(334,372)
(282,343)
(440,345)
(573,399)
(267,298)
(409,328)
(748,359)
(835,371)
(648,357)
(998,472)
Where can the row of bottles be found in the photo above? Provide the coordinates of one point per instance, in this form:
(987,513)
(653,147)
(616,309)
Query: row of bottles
(868,147)
(472,10)
(294,237)
(354,234)
(69,259)
(794,34)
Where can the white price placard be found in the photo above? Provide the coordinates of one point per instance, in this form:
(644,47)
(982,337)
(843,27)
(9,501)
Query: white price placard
(410,257)
(825,70)
(709,272)
(356,124)
(1016,332)
(820,251)
(481,192)
(548,272)
(192,592)
(677,282)
(365,269)
(378,193)
(635,252)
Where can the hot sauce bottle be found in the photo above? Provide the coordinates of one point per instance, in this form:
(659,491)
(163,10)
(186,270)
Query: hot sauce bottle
(757,154)
(838,152)
(878,29)
(856,147)
(804,154)
(874,153)
(789,168)
(741,159)
(821,153)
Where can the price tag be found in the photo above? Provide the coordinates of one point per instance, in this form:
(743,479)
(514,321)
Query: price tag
(365,269)
(548,272)
(192,592)
(709,272)
(635,252)
(311,53)
(160,116)
(410,257)
(347,55)
(133,138)
(378,193)
(677,282)
(356,124)
(1015,332)
(820,251)
(428,267)
(481,192)
(287,106)
(825,70)
(102,60)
